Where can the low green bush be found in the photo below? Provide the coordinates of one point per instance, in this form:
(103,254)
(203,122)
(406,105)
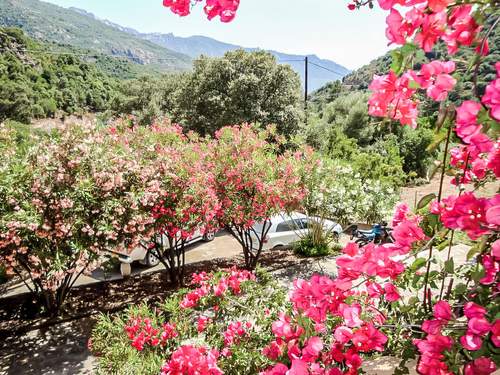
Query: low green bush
(308,248)
(224,310)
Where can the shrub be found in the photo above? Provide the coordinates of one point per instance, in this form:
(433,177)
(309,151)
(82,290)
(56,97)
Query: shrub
(308,248)
(222,313)
(252,184)
(65,200)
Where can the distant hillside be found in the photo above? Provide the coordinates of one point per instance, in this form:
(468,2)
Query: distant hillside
(361,78)
(151,52)
(195,46)
(36,84)
(45,21)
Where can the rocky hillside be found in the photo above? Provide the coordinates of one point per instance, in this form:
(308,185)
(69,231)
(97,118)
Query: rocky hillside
(80,29)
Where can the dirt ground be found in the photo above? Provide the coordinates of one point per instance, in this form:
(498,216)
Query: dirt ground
(410,195)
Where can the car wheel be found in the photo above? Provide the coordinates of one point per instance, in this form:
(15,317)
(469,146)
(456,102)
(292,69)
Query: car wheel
(278,247)
(210,236)
(151,259)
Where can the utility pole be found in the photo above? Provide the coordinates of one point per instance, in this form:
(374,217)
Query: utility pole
(306,79)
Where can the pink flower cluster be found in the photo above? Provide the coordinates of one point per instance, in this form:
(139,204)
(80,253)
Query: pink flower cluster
(480,366)
(430,22)
(480,154)
(317,299)
(392,97)
(190,360)
(478,327)
(431,348)
(475,216)
(142,332)
(436,79)
(225,9)
(230,281)
(491,97)
(234,331)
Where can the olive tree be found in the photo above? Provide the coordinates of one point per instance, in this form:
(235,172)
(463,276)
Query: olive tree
(241,87)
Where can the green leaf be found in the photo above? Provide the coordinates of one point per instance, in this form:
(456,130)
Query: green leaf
(418,263)
(397,61)
(474,250)
(438,139)
(449,266)
(413,85)
(478,274)
(460,289)
(408,49)
(425,200)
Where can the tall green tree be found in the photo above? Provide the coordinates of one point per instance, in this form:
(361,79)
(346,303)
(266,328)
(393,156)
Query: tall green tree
(238,88)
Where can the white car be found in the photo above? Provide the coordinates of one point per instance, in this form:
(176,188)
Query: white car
(289,228)
(148,258)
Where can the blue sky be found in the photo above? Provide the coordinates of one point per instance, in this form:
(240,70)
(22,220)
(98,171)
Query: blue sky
(322,27)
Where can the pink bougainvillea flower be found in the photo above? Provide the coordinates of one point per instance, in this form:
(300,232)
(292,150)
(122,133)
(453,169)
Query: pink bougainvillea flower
(433,326)
(494,159)
(495,333)
(491,98)
(399,29)
(466,122)
(491,268)
(179,7)
(479,326)
(342,334)
(274,350)
(391,292)
(433,27)
(202,323)
(406,234)
(480,366)
(283,328)
(368,338)
(461,30)
(495,249)
(471,342)
(225,9)
(438,5)
(312,349)
(351,315)
(392,97)
(473,310)
(434,344)
(442,311)
(466,213)
(188,359)
(435,78)
(401,214)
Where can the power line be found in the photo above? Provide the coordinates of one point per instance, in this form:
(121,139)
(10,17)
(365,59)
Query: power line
(330,70)
(291,60)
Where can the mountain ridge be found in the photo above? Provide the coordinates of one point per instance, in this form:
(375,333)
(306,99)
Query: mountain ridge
(197,45)
(160,52)
(79,28)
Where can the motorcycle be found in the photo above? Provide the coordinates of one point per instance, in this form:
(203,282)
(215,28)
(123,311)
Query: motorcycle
(379,233)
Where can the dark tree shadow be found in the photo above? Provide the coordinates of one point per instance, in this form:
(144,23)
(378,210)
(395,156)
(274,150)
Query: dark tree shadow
(58,349)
